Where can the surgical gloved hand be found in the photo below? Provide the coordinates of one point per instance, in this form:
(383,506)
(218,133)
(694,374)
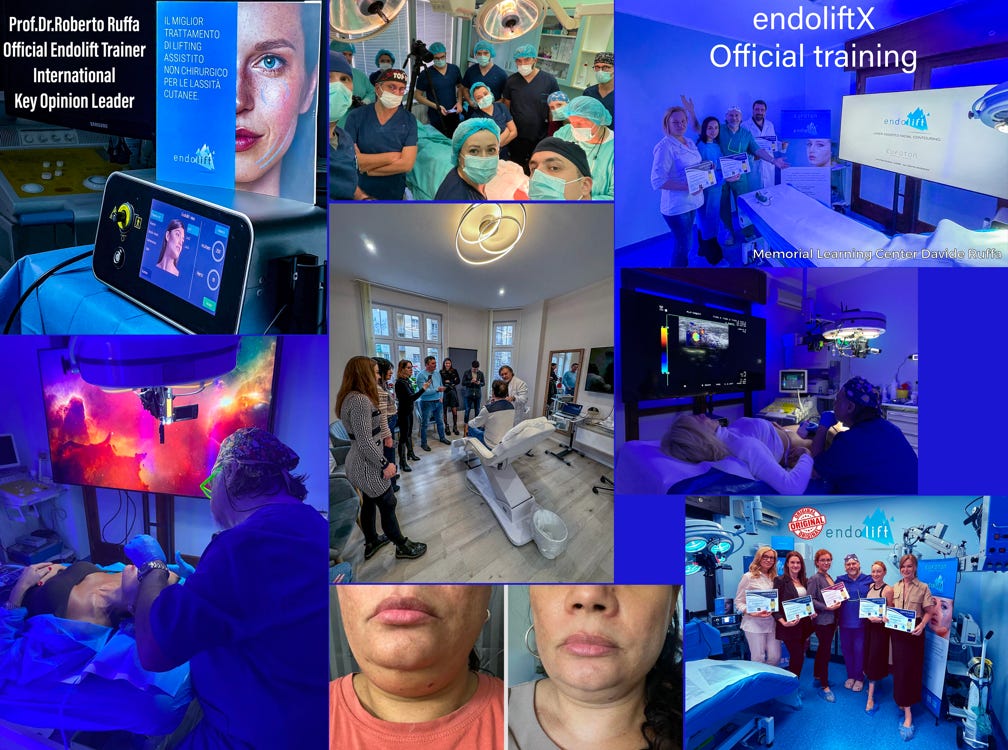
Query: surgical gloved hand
(142,549)
(185,569)
(827,419)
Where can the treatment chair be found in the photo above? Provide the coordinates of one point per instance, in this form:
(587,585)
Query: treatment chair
(498,482)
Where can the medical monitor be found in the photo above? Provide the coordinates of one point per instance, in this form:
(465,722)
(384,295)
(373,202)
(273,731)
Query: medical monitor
(793,381)
(87,65)
(674,346)
(926,134)
(600,375)
(8,453)
(106,438)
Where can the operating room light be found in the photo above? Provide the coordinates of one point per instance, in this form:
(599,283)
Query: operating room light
(489,231)
(856,325)
(693,569)
(992,108)
(695,545)
(354,20)
(504,20)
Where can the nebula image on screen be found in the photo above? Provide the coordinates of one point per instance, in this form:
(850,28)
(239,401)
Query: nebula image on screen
(105,438)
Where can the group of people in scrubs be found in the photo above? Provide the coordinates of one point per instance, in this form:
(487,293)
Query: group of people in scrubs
(488,114)
(707,217)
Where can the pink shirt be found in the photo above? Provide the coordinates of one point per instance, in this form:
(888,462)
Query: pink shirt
(478,725)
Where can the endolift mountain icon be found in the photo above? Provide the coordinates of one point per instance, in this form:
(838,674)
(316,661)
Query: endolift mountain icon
(204,158)
(917,119)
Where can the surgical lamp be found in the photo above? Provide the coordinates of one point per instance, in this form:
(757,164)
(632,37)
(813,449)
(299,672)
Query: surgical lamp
(354,20)
(934,537)
(992,108)
(708,546)
(155,368)
(505,20)
(850,333)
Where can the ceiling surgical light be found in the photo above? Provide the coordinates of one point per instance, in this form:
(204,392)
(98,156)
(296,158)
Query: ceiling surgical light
(992,108)
(489,231)
(354,20)
(708,546)
(504,20)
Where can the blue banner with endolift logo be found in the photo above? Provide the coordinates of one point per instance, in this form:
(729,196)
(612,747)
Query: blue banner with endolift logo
(940,575)
(196,70)
(804,123)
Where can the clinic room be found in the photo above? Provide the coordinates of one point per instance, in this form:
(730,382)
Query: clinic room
(794,133)
(471,393)
(847,621)
(135,472)
(447,101)
(158,173)
(803,381)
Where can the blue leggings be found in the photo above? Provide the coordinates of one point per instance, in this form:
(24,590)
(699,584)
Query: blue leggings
(681,227)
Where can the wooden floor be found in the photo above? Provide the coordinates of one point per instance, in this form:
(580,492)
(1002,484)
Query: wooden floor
(466,544)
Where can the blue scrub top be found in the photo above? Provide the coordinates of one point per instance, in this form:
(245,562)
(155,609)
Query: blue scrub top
(253,625)
(454,188)
(495,78)
(608,101)
(872,457)
(528,103)
(500,115)
(444,85)
(342,168)
(372,137)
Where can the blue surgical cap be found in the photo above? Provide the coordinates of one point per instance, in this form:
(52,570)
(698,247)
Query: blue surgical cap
(526,50)
(466,128)
(384,52)
(589,108)
(437,48)
(482,46)
(478,84)
(343,47)
(557,96)
(339,64)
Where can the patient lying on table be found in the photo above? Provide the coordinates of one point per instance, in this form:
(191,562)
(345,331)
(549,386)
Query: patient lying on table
(772,454)
(81,591)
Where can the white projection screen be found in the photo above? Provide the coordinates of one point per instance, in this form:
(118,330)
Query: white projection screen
(926,134)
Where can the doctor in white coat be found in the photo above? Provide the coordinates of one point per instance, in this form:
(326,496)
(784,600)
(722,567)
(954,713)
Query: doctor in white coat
(766,137)
(518,392)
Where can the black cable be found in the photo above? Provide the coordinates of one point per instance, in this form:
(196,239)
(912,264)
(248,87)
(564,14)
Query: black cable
(114,517)
(38,283)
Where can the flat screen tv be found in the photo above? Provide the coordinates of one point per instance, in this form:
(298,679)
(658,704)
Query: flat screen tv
(600,369)
(673,346)
(107,439)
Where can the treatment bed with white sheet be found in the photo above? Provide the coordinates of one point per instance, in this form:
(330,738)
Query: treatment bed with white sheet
(78,676)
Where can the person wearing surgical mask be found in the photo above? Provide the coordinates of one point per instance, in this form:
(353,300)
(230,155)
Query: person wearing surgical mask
(587,126)
(484,70)
(484,105)
(557,103)
(439,87)
(525,95)
(383,61)
(342,155)
(385,135)
(604,89)
(475,156)
(363,91)
(559,172)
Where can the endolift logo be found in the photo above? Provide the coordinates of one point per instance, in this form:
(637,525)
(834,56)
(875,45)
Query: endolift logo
(876,527)
(918,120)
(202,157)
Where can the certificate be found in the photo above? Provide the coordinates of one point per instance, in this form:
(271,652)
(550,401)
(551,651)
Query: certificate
(903,620)
(797,608)
(761,601)
(734,164)
(871,608)
(835,593)
(700,176)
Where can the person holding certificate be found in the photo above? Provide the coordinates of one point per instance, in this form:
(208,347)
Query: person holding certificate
(759,626)
(852,626)
(876,638)
(825,623)
(908,648)
(793,633)
(679,202)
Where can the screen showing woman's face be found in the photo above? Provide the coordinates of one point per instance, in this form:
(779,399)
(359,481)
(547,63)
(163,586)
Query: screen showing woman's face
(273,89)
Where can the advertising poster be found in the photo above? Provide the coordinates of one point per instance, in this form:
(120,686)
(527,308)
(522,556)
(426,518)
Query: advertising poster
(940,576)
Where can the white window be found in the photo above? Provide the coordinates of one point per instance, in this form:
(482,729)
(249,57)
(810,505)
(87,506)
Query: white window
(408,334)
(504,341)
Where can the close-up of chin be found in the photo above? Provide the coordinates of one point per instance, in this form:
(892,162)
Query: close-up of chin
(416,667)
(594,666)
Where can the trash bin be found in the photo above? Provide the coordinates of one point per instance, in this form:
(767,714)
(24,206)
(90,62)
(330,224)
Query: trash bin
(549,532)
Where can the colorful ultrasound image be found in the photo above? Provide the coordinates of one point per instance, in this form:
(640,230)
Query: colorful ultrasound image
(106,439)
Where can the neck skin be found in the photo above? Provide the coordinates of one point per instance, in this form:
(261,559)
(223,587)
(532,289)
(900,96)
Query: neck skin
(571,722)
(383,112)
(268,184)
(606,88)
(488,66)
(404,709)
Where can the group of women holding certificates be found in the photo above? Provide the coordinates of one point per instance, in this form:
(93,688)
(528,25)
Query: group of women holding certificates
(872,616)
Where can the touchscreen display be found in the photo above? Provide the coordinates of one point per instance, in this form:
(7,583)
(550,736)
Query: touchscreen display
(184,254)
